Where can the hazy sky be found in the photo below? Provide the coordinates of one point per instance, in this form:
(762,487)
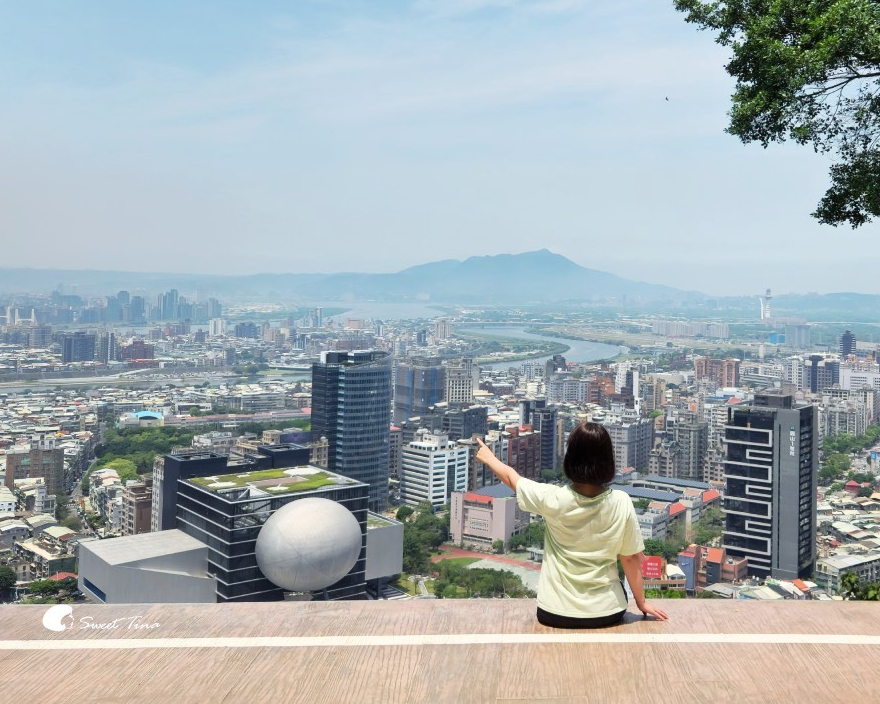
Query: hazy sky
(322,135)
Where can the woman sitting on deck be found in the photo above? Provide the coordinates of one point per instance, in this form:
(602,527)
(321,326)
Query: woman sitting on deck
(589,527)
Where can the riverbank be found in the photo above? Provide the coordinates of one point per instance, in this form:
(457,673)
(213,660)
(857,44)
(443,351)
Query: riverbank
(517,346)
(572,348)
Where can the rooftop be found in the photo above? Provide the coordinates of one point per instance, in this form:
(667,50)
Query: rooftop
(274,481)
(441,651)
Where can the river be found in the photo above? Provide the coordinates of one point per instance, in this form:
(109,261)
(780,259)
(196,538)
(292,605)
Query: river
(580,351)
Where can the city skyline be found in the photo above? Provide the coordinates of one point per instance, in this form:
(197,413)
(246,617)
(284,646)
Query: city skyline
(279,138)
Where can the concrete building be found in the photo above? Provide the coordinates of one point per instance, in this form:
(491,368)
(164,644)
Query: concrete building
(524,450)
(462,377)
(632,439)
(692,440)
(419,384)
(226,511)
(723,372)
(830,570)
(153,568)
(431,469)
(137,502)
(7,501)
(479,518)
(770,501)
(821,372)
(40,459)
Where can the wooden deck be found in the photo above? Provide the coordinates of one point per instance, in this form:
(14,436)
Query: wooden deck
(439,651)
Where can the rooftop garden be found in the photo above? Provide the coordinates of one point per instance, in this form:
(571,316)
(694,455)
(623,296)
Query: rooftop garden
(266,479)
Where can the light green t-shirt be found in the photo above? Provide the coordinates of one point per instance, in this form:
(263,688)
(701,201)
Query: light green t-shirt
(583,539)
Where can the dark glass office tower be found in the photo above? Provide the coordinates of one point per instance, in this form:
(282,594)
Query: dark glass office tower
(770,502)
(351,407)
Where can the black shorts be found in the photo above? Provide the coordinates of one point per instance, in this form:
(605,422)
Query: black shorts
(545,618)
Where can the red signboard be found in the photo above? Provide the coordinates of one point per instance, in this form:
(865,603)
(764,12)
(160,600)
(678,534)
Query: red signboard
(652,567)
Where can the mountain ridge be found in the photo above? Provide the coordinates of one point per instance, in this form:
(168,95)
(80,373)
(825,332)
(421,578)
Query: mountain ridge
(536,276)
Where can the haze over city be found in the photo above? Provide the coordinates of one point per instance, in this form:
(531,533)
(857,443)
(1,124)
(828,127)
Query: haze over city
(327,137)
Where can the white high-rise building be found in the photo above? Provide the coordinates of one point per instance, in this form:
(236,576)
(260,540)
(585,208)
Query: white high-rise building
(431,469)
(216,327)
(462,377)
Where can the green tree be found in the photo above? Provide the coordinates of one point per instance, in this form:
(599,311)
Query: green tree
(498,545)
(834,465)
(851,587)
(7,579)
(807,72)
(403,513)
(709,527)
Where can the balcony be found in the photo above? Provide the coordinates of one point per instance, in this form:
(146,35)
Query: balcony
(439,651)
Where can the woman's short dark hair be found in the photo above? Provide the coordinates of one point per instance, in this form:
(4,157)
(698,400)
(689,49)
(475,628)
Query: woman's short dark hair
(589,458)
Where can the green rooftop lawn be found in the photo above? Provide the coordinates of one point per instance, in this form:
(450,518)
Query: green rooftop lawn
(376,522)
(310,481)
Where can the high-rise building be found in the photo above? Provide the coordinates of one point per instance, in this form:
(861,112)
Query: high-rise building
(107,347)
(724,372)
(351,407)
(797,336)
(137,309)
(420,382)
(41,459)
(462,376)
(137,502)
(77,347)
(820,373)
(431,469)
(39,336)
(633,439)
(847,344)
(544,420)
(692,440)
(523,450)
(167,305)
(460,423)
(442,329)
(770,502)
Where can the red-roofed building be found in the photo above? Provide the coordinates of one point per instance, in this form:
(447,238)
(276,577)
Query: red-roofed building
(704,566)
(58,576)
(711,497)
(852,487)
(802,585)
(479,518)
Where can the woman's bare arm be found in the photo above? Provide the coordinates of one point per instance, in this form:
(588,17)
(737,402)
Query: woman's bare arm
(632,568)
(508,475)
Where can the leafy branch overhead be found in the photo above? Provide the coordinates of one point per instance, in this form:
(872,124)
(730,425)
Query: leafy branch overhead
(808,71)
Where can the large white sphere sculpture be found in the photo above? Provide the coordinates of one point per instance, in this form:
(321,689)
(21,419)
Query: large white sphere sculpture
(308,545)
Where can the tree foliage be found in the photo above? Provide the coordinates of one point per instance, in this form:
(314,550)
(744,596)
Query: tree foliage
(845,443)
(851,587)
(423,532)
(531,537)
(458,582)
(7,578)
(807,72)
(833,466)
